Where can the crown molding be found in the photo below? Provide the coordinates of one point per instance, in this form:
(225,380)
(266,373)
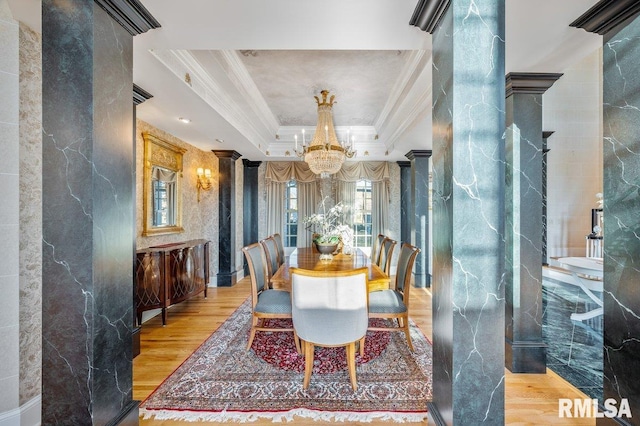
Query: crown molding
(243,82)
(416,62)
(226,153)
(140,95)
(418,153)
(249,163)
(182,62)
(606,15)
(130,14)
(428,13)
(529,82)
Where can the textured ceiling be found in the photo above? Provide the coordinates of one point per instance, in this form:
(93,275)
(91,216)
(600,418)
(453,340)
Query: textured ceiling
(288,80)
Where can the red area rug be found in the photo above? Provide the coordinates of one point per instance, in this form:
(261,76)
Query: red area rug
(221,381)
(279,350)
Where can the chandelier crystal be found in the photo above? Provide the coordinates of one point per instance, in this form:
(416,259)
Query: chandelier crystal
(324,154)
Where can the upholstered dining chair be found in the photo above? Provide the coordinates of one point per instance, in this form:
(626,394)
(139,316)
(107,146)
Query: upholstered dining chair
(393,303)
(386,252)
(278,239)
(265,303)
(273,259)
(375,248)
(329,310)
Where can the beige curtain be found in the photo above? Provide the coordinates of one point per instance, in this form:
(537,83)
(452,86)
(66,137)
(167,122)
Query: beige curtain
(380,208)
(375,171)
(275,207)
(308,199)
(346,193)
(284,171)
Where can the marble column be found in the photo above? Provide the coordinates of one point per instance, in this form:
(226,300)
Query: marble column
(468,209)
(525,352)
(227,273)
(545,150)
(405,201)
(250,200)
(619,24)
(87,211)
(419,214)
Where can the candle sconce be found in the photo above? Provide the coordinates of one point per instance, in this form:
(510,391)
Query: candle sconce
(204,180)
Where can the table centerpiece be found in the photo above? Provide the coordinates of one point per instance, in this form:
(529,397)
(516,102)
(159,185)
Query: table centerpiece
(328,231)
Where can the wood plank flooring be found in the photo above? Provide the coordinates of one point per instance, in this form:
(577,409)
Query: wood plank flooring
(531,399)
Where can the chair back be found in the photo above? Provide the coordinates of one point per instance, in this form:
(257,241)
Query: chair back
(271,253)
(329,308)
(278,239)
(376,247)
(257,269)
(406,259)
(386,252)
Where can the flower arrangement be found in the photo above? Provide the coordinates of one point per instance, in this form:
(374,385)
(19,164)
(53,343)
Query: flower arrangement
(325,224)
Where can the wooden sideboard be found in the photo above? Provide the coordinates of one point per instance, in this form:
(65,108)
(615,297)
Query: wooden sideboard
(170,273)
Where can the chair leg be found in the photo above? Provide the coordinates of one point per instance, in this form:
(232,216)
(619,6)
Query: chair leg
(296,339)
(252,333)
(405,327)
(361,344)
(351,364)
(308,362)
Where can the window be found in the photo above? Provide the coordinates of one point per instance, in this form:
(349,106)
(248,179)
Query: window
(291,215)
(362,214)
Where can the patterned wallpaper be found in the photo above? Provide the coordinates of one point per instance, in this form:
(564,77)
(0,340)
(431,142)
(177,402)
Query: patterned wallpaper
(199,220)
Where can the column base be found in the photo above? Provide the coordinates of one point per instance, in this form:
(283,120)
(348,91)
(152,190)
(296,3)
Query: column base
(128,416)
(434,416)
(422,280)
(525,357)
(227,279)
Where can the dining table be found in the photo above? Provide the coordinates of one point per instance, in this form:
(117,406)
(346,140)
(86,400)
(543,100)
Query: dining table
(309,258)
(587,273)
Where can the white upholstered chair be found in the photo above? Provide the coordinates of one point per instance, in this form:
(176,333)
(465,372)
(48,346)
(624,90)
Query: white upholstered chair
(393,304)
(265,303)
(329,309)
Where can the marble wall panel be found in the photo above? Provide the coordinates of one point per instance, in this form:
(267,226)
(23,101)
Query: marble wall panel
(199,220)
(87,215)
(30,214)
(621,53)
(239,217)
(468,214)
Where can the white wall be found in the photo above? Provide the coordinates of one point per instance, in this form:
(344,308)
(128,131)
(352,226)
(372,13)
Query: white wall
(572,108)
(9,213)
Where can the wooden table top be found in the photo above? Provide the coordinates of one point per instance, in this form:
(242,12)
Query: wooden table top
(307,258)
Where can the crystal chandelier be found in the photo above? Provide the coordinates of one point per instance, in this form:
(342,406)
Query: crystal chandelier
(324,154)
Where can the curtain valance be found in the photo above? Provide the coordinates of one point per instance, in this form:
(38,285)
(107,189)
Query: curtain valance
(284,171)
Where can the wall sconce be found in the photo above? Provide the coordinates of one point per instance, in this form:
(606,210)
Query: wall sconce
(204,180)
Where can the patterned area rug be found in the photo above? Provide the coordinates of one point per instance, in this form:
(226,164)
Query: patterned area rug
(221,381)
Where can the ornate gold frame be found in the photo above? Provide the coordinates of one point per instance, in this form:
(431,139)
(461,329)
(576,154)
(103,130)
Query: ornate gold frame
(158,152)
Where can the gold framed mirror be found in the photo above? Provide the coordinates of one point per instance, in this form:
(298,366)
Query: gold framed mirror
(162,188)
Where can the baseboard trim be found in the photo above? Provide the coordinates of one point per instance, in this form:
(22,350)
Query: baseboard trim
(28,414)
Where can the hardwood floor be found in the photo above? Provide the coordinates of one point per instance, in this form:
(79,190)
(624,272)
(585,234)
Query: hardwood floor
(531,399)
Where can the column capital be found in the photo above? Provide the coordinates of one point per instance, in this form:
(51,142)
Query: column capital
(130,14)
(606,15)
(529,82)
(234,155)
(418,153)
(140,95)
(404,163)
(428,14)
(249,163)
(547,133)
